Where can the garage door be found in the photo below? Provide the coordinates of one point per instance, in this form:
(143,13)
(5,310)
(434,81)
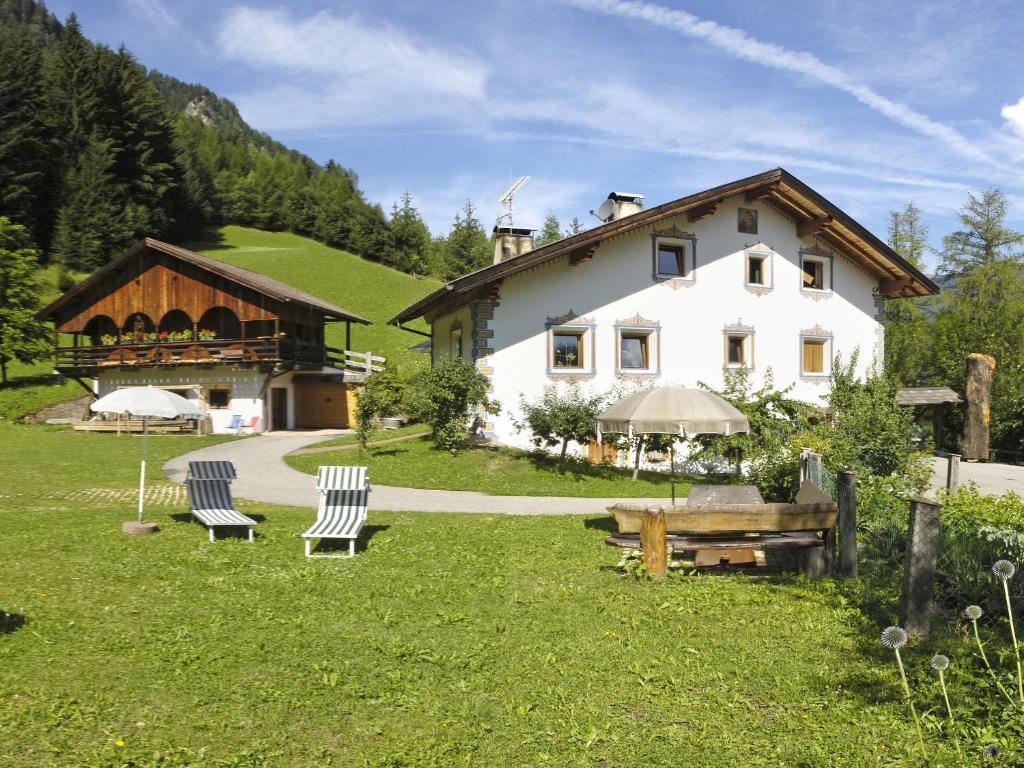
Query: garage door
(320,404)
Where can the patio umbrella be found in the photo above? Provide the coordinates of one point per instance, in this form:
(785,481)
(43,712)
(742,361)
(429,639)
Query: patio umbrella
(147,402)
(672,411)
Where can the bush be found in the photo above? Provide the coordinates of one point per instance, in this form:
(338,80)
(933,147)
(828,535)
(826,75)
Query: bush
(561,418)
(444,396)
(382,396)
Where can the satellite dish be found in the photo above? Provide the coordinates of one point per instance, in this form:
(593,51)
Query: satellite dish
(506,200)
(605,211)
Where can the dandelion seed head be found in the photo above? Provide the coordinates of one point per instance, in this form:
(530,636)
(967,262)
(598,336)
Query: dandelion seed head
(894,637)
(973,612)
(939,662)
(993,750)
(1003,570)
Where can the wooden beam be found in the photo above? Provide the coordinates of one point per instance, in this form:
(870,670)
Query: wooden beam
(753,195)
(813,227)
(701,211)
(894,285)
(581,256)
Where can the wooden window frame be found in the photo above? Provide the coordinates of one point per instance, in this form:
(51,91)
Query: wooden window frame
(826,356)
(586,335)
(747,348)
(688,247)
(652,349)
(826,262)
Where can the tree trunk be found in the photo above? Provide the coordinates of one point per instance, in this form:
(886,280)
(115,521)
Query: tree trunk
(639,450)
(3,370)
(977,409)
(561,460)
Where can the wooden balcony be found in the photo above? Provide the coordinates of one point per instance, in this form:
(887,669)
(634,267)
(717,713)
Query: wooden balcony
(262,353)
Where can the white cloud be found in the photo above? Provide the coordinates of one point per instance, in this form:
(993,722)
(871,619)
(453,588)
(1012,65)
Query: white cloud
(343,70)
(154,13)
(740,44)
(1013,114)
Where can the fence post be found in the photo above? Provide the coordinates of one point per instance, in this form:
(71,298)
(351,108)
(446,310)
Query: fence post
(846,488)
(652,541)
(917,601)
(803,466)
(953,473)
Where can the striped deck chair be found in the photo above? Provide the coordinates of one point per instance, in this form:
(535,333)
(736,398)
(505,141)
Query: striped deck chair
(211,504)
(344,493)
(212,470)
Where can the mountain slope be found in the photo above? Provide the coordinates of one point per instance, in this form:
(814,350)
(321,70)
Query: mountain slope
(371,290)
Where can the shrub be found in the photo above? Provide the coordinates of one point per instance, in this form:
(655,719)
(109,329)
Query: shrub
(559,417)
(382,396)
(444,395)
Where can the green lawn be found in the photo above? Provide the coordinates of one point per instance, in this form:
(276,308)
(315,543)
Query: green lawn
(503,471)
(360,286)
(378,435)
(472,640)
(31,387)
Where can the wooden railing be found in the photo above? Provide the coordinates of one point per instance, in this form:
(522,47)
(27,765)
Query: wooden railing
(234,351)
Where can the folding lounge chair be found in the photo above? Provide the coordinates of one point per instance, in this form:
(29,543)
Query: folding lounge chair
(212,470)
(344,493)
(211,504)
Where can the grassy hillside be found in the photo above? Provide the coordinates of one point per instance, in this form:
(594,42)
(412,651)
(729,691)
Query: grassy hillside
(367,289)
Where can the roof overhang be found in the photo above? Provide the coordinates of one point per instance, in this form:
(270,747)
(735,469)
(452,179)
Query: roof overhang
(261,284)
(813,214)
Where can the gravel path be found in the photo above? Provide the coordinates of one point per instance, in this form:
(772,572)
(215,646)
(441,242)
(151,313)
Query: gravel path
(263,476)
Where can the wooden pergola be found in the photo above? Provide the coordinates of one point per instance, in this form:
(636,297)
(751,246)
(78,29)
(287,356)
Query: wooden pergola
(936,398)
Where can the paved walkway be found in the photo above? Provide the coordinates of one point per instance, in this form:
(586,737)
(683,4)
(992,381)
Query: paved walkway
(990,476)
(263,476)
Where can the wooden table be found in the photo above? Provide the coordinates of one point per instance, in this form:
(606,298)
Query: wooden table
(724,494)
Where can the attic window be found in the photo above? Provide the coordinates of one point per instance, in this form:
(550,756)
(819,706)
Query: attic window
(672,260)
(815,271)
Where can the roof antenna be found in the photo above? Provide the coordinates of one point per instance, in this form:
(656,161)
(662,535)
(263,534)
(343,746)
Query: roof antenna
(506,200)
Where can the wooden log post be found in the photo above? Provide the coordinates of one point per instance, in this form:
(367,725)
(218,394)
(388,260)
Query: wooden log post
(846,487)
(977,408)
(953,473)
(652,541)
(917,601)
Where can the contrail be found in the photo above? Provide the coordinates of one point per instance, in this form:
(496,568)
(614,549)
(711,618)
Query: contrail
(738,43)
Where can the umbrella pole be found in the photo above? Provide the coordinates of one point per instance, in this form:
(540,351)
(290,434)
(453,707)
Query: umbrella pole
(142,471)
(672,458)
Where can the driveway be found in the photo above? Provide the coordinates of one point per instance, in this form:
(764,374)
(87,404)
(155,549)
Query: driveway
(263,476)
(990,476)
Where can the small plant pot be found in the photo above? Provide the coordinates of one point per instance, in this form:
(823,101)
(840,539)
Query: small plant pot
(130,526)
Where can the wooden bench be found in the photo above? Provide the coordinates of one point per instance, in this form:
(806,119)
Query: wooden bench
(730,528)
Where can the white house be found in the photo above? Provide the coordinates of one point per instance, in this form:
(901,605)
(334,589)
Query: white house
(761,272)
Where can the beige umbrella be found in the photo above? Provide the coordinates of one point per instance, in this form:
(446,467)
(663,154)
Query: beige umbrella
(672,411)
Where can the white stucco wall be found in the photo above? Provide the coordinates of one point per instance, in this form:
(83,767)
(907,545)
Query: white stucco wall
(618,284)
(245,388)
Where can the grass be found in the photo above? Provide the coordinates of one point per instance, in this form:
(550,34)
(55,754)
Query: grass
(450,640)
(377,435)
(503,471)
(370,290)
(31,387)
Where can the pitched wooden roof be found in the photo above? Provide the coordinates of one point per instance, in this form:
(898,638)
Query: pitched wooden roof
(813,214)
(262,284)
(926,396)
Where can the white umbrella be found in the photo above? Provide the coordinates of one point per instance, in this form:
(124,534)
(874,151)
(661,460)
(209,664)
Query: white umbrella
(147,402)
(672,411)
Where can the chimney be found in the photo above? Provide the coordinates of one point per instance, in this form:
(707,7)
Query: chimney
(511,241)
(619,205)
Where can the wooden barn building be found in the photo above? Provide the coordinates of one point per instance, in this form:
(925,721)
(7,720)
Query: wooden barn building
(248,348)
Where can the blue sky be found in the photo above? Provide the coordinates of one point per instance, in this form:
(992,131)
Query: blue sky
(873,104)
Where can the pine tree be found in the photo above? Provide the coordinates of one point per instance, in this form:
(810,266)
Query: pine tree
(410,238)
(24,136)
(551,232)
(575,227)
(468,247)
(906,336)
(22,338)
(985,237)
(90,226)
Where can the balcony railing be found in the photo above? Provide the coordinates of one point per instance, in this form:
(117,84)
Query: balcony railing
(260,351)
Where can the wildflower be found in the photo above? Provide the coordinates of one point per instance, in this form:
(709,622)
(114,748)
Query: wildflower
(940,663)
(993,750)
(973,612)
(894,637)
(1003,570)
(119,743)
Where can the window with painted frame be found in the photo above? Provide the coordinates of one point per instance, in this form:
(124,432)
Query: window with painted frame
(815,272)
(738,346)
(637,349)
(673,259)
(815,356)
(570,349)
